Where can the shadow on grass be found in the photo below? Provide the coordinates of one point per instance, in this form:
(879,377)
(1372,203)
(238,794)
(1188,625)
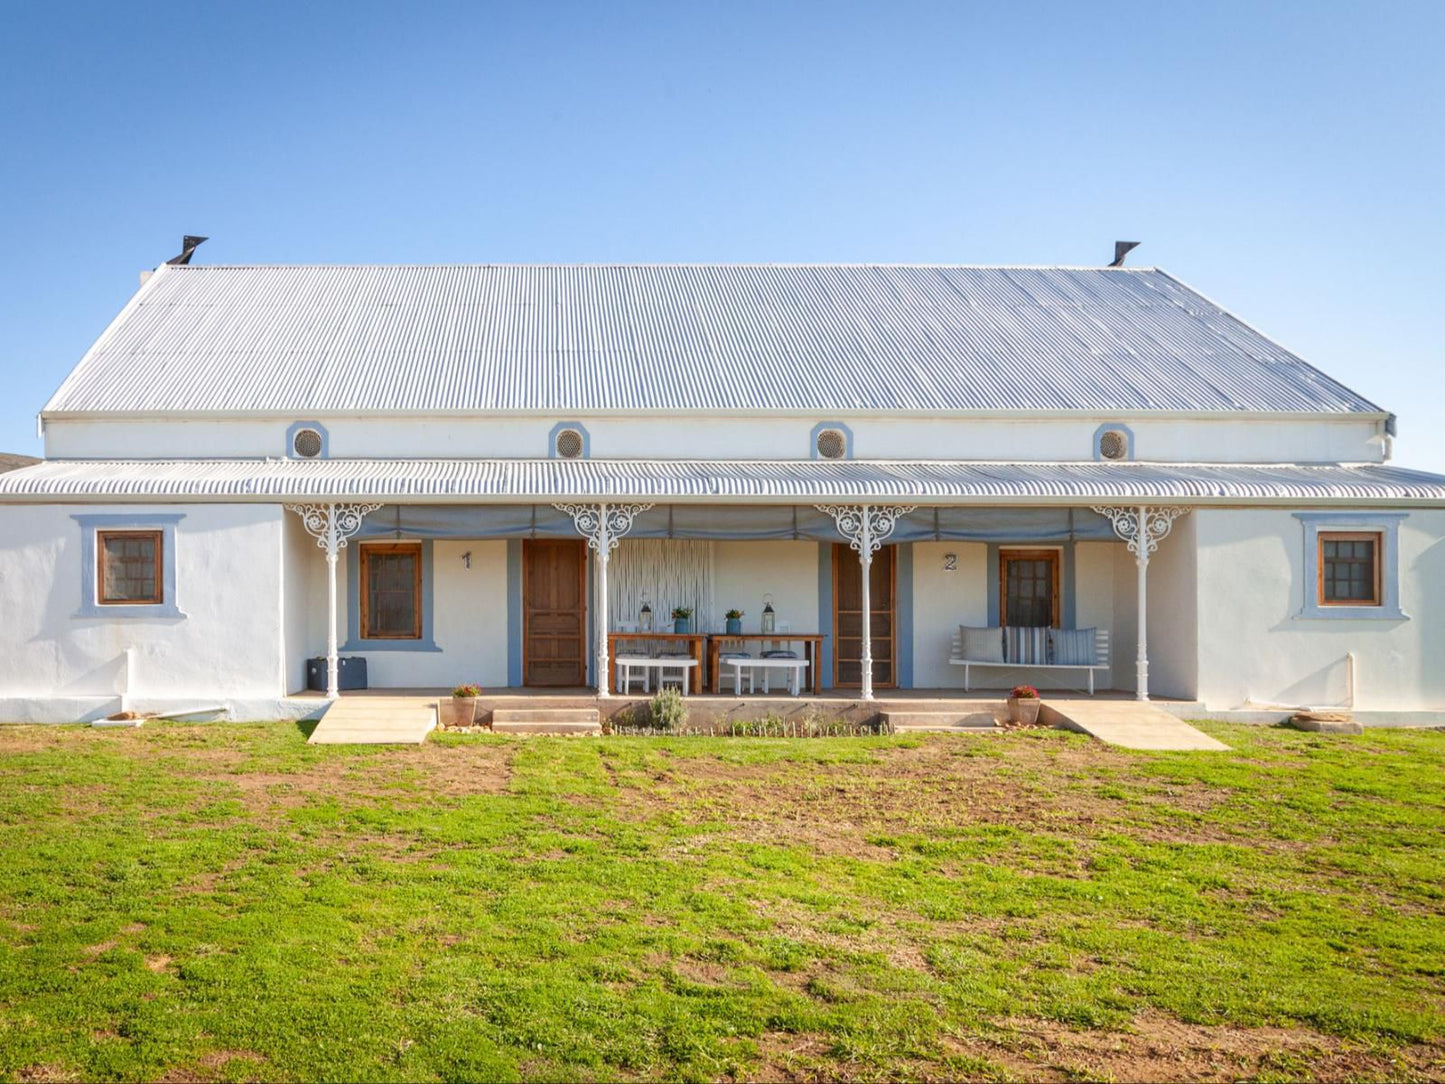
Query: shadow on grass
(307,727)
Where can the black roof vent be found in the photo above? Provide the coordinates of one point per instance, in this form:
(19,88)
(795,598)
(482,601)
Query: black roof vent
(1121,249)
(189,245)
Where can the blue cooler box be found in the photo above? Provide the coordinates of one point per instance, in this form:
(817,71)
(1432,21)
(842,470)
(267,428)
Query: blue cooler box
(351,673)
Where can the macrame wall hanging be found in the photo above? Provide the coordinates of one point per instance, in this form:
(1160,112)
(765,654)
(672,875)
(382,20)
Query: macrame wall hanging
(670,572)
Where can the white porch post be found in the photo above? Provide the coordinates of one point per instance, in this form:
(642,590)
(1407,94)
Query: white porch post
(331,525)
(865,526)
(604,554)
(603,525)
(865,595)
(1142,528)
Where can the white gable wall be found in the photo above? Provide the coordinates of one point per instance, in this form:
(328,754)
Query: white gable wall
(1343,439)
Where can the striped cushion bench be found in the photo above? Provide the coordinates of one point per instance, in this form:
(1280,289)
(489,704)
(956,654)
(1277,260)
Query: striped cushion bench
(1023,648)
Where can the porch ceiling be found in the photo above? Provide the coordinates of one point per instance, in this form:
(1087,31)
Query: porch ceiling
(478,481)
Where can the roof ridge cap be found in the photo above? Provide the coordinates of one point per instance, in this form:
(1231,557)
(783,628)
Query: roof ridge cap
(852,265)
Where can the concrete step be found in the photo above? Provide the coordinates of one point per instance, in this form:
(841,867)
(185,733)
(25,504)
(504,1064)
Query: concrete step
(980,715)
(546,721)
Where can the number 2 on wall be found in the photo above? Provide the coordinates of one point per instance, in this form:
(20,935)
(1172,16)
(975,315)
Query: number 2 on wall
(950,562)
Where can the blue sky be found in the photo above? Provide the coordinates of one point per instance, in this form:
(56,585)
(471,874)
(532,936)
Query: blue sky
(1284,159)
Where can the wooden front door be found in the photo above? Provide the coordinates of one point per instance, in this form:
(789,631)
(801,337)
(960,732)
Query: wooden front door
(554,612)
(848,619)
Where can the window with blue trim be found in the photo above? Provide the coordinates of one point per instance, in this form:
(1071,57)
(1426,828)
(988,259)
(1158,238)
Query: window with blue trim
(1351,565)
(128,565)
(128,568)
(391,602)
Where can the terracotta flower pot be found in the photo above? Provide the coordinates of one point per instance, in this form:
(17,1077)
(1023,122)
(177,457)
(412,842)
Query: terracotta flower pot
(457,710)
(1024,711)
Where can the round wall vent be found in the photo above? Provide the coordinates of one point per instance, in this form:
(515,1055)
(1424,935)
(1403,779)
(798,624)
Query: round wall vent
(832,444)
(306,443)
(1113,444)
(569,444)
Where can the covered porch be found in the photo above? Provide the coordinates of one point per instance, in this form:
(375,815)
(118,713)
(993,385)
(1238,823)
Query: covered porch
(838,601)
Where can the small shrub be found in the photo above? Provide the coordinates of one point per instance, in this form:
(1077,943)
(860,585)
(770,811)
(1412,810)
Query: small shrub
(735,615)
(668,710)
(1024,692)
(467,690)
(681,613)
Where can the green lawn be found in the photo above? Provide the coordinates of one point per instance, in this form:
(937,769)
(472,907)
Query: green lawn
(225,902)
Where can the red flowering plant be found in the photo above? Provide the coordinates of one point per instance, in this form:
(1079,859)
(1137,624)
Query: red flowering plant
(467,690)
(1024,692)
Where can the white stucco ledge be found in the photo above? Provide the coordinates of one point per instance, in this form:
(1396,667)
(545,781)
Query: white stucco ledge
(88,709)
(1430,717)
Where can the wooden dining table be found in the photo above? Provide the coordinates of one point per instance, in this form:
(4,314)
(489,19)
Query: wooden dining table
(812,641)
(693,641)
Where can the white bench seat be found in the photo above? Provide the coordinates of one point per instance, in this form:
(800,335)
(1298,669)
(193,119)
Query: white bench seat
(1101,662)
(794,668)
(646,664)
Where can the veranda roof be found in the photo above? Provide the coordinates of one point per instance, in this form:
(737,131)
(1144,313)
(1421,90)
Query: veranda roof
(712,481)
(303,341)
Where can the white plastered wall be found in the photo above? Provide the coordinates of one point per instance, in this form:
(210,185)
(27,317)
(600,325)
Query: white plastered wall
(228,585)
(303,573)
(1253,647)
(744,571)
(942,601)
(1173,615)
(469,621)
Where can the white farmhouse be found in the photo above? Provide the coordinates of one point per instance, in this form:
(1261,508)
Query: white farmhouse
(908,477)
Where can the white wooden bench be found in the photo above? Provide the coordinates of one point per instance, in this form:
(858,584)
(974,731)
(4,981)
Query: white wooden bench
(1101,661)
(626,664)
(793,667)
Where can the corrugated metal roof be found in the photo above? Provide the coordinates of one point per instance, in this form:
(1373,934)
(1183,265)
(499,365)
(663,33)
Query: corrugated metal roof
(542,480)
(312,340)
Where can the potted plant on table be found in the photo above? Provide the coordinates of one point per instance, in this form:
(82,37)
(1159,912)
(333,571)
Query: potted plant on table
(460,709)
(1023,705)
(682,619)
(735,622)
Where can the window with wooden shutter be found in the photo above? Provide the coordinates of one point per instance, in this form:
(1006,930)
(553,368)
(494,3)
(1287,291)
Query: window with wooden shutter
(128,568)
(391,591)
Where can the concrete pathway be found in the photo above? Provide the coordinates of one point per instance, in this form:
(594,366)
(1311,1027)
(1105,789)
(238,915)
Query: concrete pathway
(1129,723)
(376,720)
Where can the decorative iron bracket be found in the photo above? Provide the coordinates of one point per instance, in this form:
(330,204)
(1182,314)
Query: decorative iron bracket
(603,525)
(328,522)
(1142,528)
(866,526)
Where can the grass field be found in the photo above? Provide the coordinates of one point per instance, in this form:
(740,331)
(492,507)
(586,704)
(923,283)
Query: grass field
(226,902)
